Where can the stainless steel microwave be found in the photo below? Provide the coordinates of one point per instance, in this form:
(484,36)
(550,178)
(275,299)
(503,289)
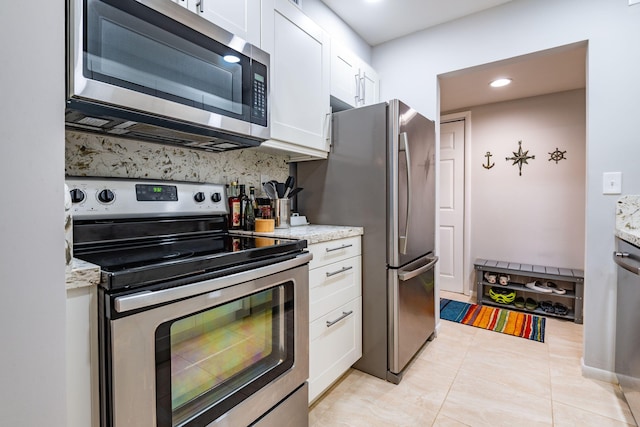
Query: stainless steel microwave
(153,70)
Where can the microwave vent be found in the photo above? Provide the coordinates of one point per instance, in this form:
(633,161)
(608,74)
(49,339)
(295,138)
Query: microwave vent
(163,131)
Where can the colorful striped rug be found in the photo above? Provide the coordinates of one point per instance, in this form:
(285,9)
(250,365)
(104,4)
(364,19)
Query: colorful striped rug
(495,319)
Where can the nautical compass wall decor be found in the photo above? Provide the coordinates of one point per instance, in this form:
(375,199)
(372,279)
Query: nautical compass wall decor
(557,155)
(520,157)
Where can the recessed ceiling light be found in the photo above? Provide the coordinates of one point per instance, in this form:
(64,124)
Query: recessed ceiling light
(500,82)
(232,59)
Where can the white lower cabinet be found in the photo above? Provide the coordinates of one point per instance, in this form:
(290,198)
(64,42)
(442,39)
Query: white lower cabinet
(82,357)
(333,349)
(335,311)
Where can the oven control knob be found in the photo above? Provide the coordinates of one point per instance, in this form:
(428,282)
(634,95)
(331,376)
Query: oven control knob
(77,195)
(199,197)
(106,196)
(216,197)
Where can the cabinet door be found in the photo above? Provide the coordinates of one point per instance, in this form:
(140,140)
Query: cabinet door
(369,85)
(299,80)
(334,285)
(345,76)
(335,344)
(183,3)
(240,17)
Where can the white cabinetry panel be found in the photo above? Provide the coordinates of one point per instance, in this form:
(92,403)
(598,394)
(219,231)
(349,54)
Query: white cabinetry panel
(335,311)
(240,17)
(300,59)
(334,348)
(353,81)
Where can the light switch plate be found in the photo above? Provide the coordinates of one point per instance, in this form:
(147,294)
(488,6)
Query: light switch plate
(612,183)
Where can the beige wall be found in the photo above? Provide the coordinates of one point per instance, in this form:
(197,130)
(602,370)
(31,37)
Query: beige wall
(536,218)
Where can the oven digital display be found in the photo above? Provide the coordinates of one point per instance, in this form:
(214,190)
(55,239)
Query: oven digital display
(156,193)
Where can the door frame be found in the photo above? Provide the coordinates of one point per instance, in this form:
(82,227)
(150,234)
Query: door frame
(467,271)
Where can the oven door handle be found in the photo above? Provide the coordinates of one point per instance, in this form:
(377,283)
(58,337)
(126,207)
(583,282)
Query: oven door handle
(145,299)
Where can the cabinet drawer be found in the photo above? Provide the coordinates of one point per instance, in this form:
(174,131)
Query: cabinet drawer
(333,349)
(335,250)
(334,285)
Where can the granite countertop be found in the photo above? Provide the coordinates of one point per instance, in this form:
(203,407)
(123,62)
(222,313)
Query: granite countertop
(628,219)
(82,274)
(311,233)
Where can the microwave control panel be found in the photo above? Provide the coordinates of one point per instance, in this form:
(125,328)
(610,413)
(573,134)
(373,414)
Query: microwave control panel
(259,105)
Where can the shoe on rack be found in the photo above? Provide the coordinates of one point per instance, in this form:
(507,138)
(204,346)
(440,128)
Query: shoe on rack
(490,277)
(530,304)
(560,309)
(538,286)
(503,279)
(519,302)
(555,288)
(547,306)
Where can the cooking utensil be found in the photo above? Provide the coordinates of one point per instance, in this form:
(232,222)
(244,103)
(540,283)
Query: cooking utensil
(270,190)
(280,189)
(288,185)
(295,191)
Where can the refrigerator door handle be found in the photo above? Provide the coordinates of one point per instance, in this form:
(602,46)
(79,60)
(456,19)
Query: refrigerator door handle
(404,275)
(404,146)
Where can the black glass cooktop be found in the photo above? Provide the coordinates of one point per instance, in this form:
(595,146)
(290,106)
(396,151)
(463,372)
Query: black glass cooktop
(133,264)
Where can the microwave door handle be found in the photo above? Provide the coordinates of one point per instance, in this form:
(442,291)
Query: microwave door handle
(404,146)
(200,6)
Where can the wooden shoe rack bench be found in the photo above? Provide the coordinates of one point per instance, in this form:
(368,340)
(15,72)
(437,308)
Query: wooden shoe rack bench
(572,280)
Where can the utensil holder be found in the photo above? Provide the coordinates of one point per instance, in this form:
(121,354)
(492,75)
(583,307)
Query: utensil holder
(281,210)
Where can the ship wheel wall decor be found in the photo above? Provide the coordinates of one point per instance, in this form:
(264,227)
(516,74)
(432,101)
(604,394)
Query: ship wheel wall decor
(557,155)
(520,157)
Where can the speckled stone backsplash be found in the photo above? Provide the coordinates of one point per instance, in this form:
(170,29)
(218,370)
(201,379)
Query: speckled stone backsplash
(96,155)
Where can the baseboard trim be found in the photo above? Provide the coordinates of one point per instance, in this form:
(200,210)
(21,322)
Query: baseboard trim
(598,374)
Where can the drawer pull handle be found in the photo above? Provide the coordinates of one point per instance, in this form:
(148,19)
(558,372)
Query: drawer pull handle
(342,270)
(344,314)
(338,248)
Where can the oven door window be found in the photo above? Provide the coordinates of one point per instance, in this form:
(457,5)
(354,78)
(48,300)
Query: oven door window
(132,46)
(210,361)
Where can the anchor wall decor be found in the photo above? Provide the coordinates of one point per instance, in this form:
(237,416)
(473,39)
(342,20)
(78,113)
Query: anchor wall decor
(488,156)
(520,157)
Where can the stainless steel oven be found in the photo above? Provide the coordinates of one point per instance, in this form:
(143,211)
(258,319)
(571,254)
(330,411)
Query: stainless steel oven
(197,326)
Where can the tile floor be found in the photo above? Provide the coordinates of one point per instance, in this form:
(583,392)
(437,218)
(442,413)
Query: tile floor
(473,377)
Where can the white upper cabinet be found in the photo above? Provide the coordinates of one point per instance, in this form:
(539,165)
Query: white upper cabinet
(353,81)
(240,17)
(300,111)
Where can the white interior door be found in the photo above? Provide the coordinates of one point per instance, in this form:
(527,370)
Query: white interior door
(452,206)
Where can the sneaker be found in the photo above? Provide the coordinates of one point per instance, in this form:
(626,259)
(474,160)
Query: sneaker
(555,288)
(547,306)
(537,286)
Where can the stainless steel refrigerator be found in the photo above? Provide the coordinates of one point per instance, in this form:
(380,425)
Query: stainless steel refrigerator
(380,174)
